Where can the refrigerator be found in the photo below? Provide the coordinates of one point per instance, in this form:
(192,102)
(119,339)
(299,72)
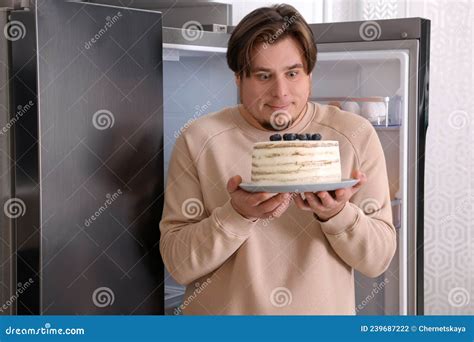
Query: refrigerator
(81,61)
(81,161)
(360,66)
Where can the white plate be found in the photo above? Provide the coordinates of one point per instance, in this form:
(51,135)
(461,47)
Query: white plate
(345,183)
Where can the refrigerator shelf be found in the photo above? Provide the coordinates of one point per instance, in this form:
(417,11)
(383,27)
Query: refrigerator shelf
(191,50)
(173,296)
(387,128)
(396,201)
(360,57)
(396,212)
(381,111)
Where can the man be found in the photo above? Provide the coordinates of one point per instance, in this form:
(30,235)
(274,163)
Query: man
(263,253)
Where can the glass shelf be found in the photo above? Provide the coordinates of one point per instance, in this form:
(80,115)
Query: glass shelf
(380,111)
(387,128)
(396,212)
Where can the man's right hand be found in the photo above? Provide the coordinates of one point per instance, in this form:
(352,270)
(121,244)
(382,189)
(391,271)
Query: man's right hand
(253,205)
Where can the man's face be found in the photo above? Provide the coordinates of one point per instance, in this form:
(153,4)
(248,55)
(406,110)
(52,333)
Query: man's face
(278,87)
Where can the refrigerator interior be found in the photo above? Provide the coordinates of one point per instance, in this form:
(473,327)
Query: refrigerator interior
(197,82)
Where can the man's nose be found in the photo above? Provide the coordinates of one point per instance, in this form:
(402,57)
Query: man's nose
(279,87)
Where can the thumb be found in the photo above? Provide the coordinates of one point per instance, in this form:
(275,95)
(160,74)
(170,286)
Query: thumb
(356,174)
(361,177)
(233,183)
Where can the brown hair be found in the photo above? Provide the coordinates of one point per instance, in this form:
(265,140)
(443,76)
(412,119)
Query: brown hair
(267,25)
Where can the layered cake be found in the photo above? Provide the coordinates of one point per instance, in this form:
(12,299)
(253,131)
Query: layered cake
(296,159)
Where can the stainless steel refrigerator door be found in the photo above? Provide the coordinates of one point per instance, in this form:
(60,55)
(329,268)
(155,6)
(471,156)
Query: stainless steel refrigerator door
(6,239)
(398,295)
(100,164)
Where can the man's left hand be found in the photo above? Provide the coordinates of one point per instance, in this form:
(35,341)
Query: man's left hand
(326,206)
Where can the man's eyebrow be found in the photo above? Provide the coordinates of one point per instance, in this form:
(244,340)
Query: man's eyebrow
(294,66)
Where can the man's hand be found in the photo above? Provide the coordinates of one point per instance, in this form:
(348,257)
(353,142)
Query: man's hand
(324,205)
(253,205)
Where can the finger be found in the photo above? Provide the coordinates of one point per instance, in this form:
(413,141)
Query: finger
(257,198)
(361,177)
(233,183)
(280,209)
(272,203)
(342,195)
(314,202)
(326,199)
(301,204)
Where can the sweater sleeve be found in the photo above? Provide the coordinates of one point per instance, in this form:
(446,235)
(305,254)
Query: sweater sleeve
(362,234)
(195,242)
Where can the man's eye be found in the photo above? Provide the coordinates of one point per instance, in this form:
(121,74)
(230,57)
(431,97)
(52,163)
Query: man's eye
(263,77)
(293,74)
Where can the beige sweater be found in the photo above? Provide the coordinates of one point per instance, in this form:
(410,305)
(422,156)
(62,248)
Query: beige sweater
(292,265)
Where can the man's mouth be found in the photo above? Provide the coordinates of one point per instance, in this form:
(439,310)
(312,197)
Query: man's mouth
(276,107)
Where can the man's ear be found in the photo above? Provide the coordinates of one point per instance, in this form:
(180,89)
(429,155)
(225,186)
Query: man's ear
(237,80)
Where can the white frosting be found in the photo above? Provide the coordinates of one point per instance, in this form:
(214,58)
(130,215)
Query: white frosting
(296,162)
